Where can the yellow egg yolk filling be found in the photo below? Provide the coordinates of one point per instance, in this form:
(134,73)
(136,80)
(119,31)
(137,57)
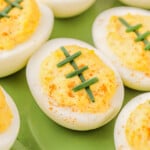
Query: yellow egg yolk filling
(5,113)
(19,25)
(137,128)
(131,53)
(59,88)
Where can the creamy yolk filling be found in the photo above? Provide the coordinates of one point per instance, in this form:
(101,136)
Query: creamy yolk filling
(137,128)
(59,88)
(5,113)
(122,43)
(20,24)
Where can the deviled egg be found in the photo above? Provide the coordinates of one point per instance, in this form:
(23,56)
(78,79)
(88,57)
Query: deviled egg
(24,26)
(9,121)
(122,34)
(132,128)
(68,8)
(74,84)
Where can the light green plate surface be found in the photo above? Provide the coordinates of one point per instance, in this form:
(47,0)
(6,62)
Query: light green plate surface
(37,131)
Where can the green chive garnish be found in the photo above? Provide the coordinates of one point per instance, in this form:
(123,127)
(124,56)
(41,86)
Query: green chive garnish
(15,3)
(68,59)
(5,11)
(85,84)
(76,72)
(124,22)
(140,37)
(133,28)
(147,47)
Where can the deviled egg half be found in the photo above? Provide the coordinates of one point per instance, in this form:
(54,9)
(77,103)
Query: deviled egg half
(24,26)
(9,121)
(132,127)
(68,8)
(123,35)
(74,84)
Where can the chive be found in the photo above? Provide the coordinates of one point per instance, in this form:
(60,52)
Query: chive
(5,11)
(90,94)
(76,72)
(123,22)
(147,47)
(69,59)
(15,3)
(133,28)
(85,84)
(142,36)
(74,65)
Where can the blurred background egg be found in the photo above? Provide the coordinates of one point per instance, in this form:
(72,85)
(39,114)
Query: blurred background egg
(9,121)
(68,8)
(53,91)
(23,29)
(137,3)
(132,127)
(116,32)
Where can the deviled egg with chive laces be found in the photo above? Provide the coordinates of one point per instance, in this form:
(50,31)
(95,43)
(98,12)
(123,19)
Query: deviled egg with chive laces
(24,26)
(9,121)
(123,35)
(74,84)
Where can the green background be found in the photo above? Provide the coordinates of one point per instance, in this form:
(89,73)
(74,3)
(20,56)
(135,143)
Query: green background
(37,131)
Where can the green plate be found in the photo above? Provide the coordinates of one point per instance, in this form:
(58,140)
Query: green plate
(37,131)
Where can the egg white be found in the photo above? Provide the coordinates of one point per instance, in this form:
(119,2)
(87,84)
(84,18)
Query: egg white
(61,115)
(13,60)
(131,78)
(119,130)
(137,3)
(8,137)
(68,8)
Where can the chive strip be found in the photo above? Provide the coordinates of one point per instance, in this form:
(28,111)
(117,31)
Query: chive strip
(5,11)
(133,28)
(123,22)
(147,47)
(74,65)
(15,3)
(142,36)
(76,72)
(68,59)
(85,84)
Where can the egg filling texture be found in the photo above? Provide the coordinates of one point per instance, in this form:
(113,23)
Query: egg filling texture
(131,53)
(5,113)
(138,127)
(59,88)
(17,24)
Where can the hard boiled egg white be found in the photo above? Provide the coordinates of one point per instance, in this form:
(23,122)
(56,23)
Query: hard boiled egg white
(15,50)
(133,124)
(9,121)
(137,3)
(53,91)
(130,57)
(67,8)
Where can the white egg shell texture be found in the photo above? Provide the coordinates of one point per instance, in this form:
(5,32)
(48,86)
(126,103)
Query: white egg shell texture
(132,78)
(64,115)
(8,137)
(137,3)
(68,8)
(13,60)
(120,137)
